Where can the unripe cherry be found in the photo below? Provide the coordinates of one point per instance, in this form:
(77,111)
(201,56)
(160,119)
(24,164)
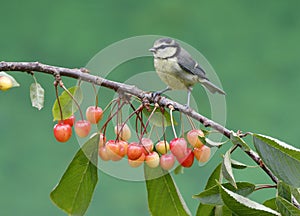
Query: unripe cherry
(103,153)
(202,154)
(82,128)
(5,83)
(178,147)
(138,162)
(162,147)
(124,133)
(152,159)
(94,114)
(193,137)
(167,161)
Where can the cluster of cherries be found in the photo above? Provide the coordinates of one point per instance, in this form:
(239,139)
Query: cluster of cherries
(63,129)
(161,154)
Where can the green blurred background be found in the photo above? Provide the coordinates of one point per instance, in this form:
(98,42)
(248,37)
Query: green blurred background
(252,45)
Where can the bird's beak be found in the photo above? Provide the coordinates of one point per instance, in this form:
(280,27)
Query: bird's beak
(152,50)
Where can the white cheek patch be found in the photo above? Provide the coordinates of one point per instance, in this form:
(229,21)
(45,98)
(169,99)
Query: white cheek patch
(166,52)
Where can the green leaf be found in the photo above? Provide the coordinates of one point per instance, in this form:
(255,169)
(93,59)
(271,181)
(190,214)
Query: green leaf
(205,210)
(209,143)
(37,95)
(14,82)
(241,205)
(75,189)
(212,195)
(296,193)
(284,191)
(286,208)
(157,117)
(164,197)
(67,104)
(236,140)
(282,159)
(238,165)
(227,169)
(215,175)
(179,170)
(222,211)
(271,203)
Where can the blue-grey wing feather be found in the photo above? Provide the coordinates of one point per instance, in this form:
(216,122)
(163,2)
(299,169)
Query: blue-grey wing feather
(187,63)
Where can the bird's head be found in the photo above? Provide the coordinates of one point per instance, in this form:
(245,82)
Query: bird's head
(165,48)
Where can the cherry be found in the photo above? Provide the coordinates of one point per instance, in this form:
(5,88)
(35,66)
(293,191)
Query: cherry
(124,133)
(5,83)
(178,147)
(82,128)
(113,149)
(123,146)
(167,161)
(152,159)
(134,151)
(103,153)
(94,114)
(162,147)
(138,162)
(147,145)
(193,137)
(62,132)
(202,154)
(188,160)
(70,121)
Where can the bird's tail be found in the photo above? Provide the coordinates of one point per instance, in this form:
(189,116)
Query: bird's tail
(211,87)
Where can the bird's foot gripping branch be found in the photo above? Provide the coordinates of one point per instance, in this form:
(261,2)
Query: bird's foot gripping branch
(149,115)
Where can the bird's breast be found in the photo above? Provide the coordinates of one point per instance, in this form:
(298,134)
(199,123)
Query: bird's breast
(172,74)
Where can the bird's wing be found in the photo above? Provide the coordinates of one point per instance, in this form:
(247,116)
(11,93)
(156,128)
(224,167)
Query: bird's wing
(187,63)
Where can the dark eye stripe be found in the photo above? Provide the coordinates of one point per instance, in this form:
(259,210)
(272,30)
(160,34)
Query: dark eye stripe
(165,46)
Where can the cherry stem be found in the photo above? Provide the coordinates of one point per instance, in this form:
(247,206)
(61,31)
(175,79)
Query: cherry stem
(172,121)
(138,116)
(191,122)
(127,119)
(264,187)
(96,95)
(148,121)
(75,101)
(182,125)
(58,101)
(109,119)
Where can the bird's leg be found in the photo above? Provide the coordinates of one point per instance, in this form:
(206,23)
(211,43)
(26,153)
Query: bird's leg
(154,94)
(189,91)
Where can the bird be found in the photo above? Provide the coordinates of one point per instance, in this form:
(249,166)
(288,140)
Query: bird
(176,68)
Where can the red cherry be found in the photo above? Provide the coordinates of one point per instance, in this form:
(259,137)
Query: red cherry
(178,147)
(62,132)
(94,114)
(188,160)
(82,128)
(152,159)
(103,153)
(193,137)
(134,151)
(202,154)
(162,147)
(167,161)
(70,121)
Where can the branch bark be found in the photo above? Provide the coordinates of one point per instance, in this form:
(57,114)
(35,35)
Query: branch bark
(82,74)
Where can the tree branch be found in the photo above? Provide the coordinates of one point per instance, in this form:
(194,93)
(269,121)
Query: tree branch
(148,97)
